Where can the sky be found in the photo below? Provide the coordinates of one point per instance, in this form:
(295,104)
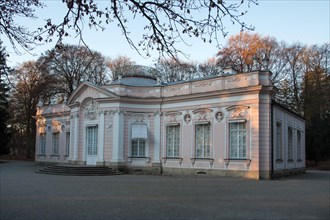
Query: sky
(305,21)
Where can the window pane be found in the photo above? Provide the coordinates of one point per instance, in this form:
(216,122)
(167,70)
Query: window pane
(173,140)
(237,140)
(55,143)
(290,143)
(299,145)
(202,140)
(92,140)
(278,141)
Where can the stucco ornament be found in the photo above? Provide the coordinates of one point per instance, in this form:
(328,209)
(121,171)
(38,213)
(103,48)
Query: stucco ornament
(219,116)
(91,110)
(172,116)
(238,112)
(41,125)
(139,117)
(56,126)
(202,114)
(187,118)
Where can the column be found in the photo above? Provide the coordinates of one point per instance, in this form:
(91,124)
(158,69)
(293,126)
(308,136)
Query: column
(76,135)
(156,156)
(118,135)
(100,150)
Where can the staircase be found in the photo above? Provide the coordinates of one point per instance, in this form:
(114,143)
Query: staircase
(75,170)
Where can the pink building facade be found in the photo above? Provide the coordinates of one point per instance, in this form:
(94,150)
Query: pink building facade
(225,125)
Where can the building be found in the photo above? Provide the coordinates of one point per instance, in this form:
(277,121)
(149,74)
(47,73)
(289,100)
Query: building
(220,125)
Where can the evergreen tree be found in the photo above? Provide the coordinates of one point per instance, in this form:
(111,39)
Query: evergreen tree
(4,114)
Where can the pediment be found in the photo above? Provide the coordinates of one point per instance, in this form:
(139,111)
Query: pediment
(90,90)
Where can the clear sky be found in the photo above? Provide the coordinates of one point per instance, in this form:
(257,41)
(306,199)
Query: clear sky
(305,21)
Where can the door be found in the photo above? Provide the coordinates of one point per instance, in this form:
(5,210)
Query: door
(91,144)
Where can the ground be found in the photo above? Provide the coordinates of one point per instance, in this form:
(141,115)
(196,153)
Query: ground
(28,195)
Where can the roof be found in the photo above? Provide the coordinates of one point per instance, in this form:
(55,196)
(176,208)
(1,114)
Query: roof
(135,81)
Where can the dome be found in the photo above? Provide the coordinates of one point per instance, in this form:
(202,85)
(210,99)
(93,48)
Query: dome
(138,76)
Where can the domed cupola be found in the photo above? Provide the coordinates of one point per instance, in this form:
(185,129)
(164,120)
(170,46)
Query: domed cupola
(138,76)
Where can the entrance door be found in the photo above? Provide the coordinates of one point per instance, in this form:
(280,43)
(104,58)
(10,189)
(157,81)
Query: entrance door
(91,144)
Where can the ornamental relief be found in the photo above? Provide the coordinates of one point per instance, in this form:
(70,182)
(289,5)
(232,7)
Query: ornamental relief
(91,110)
(238,112)
(41,123)
(56,126)
(173,116)
(204,84)
(202,114)
(218,116)
(139,117)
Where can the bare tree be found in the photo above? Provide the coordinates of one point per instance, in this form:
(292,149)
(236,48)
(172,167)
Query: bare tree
(171,70)
(208,68)
(17,35)
(72,65)
(166,22)
(246,52)
(30,86)
(121,65)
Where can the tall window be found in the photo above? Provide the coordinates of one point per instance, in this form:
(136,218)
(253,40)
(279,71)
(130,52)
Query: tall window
(173,140)
(278,141)
(91,140)
(203,140)
(42,144)
(237,140)
(55,141)
(299,145)
(138,140)
(290,143)
(67,144)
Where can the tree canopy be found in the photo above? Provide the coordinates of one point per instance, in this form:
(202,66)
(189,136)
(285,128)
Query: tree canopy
(4,103)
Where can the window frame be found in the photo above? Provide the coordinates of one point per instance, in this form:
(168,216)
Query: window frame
(94,148)
(203,155)
(245,147)
(177,135)
(67,143)
(42,144)
(290,144)
(139,141)
(279,143)
(299,145)
(55,143)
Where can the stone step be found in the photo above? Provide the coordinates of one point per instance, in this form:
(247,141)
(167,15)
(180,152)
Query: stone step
(78,170)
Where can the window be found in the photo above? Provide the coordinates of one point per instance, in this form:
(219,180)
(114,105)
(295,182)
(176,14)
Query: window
(203,140)
(42,144)
(237,140)
(138,140)
(172,140)
(67,144)
(91,140)
(55,143)
(138,148)
(278,141)
(298,145)
(290,143)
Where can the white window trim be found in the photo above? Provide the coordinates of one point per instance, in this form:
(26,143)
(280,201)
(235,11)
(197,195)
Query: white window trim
(57,143)
(279,157)
(194,140)
(130,139)
(180,139)
(247,133)
(97,138)
(67,143)
(42,143)
(290,148)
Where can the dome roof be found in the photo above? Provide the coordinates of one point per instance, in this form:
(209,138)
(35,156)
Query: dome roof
(139,76)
